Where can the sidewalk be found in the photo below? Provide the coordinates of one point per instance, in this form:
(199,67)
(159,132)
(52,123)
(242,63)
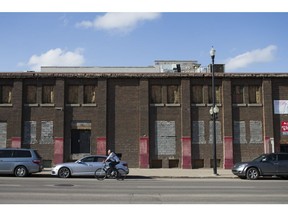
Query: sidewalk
(181,173)
(169,173)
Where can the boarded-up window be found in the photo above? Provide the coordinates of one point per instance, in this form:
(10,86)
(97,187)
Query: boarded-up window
(47,132)
(218,132)
(254,94)
(30,132)
(173,94)
(73,94)
(238,94)
(197,94)
(90,94)
(165,140)
(156,94)
(256,134)
(48,94)
(31,94)
(239,132)
(198,132)
(217,94)
(3,134)
(6,94)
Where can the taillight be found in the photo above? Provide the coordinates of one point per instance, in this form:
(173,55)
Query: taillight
(125,164)
(36,161)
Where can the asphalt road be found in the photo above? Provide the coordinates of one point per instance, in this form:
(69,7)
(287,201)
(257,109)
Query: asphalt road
(52,190)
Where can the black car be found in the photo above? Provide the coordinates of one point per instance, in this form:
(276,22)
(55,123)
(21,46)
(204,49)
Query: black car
(274,164)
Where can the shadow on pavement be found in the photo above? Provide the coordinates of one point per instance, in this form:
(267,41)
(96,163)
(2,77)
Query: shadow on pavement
(83,177)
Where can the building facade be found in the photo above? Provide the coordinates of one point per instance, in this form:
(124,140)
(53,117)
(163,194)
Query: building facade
(155,120)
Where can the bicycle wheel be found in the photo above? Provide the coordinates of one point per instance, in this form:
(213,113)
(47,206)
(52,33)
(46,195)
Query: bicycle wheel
(100,174)
(121,174)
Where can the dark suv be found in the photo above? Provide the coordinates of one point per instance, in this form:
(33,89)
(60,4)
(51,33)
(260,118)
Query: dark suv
(274,164)
(20,162)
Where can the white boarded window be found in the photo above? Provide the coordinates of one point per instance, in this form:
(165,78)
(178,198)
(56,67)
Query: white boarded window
(165,143)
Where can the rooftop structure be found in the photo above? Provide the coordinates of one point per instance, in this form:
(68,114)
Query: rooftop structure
(162,66)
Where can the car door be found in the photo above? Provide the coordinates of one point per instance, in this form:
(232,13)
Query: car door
(95,163)
(92,165)
(84,166)
(269,165)
(98,161)
(283,164)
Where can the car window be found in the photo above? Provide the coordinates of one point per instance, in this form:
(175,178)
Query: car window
(37,154)
(260,158)
(282,157)
(88,159)
(271,157)
(5,153)
(99,159)
(22,153)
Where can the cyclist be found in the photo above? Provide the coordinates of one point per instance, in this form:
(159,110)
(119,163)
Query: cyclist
(113,159)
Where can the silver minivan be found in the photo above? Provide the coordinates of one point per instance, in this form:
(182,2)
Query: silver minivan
(20,162)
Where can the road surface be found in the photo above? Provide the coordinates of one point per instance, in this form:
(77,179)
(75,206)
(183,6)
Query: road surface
(52,190)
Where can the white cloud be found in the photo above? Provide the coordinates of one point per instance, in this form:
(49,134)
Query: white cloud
(56,57)
(266,54)
(118,21)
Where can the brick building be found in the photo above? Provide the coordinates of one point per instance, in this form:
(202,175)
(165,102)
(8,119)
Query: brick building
(155,119)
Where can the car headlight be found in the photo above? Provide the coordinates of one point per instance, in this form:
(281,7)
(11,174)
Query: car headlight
(241,167)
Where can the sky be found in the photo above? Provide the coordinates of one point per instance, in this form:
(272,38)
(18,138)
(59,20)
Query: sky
(244,41)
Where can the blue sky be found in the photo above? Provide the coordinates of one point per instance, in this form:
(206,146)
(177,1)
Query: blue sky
(244,42)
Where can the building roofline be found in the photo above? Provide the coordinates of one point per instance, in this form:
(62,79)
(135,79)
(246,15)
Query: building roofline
(10,75)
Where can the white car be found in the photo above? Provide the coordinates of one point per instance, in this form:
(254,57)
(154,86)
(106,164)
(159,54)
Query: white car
(85,166)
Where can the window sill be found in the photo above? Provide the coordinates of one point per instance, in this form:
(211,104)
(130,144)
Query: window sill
(198,105)
(47,105)
(89,105)
(31,105)
(72,105)
(6,105)
(157,105)
(239,105)
(255,105)
(217,104)
(173,105)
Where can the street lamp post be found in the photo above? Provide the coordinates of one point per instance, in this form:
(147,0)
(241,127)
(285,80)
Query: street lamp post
(213,112)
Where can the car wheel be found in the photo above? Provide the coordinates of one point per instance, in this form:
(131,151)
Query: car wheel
(252,173)
(64,172)
(20,171)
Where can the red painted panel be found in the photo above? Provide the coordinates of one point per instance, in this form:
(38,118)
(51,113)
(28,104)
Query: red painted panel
(58,150)
(186,153)
(228,152)
(16,142)
(144,152)
(101,145)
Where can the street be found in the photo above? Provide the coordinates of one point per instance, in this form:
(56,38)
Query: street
(52,190)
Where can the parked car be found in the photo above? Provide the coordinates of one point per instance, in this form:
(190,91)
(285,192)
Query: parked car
(85,166)
(274,164)
(20,162)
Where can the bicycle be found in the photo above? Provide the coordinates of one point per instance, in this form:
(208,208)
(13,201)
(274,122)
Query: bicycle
(112,173)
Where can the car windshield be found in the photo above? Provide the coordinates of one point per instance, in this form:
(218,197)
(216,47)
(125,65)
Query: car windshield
(260,158)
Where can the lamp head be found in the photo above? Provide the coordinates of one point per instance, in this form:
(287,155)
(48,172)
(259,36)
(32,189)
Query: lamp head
(216,109)
(212,52)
